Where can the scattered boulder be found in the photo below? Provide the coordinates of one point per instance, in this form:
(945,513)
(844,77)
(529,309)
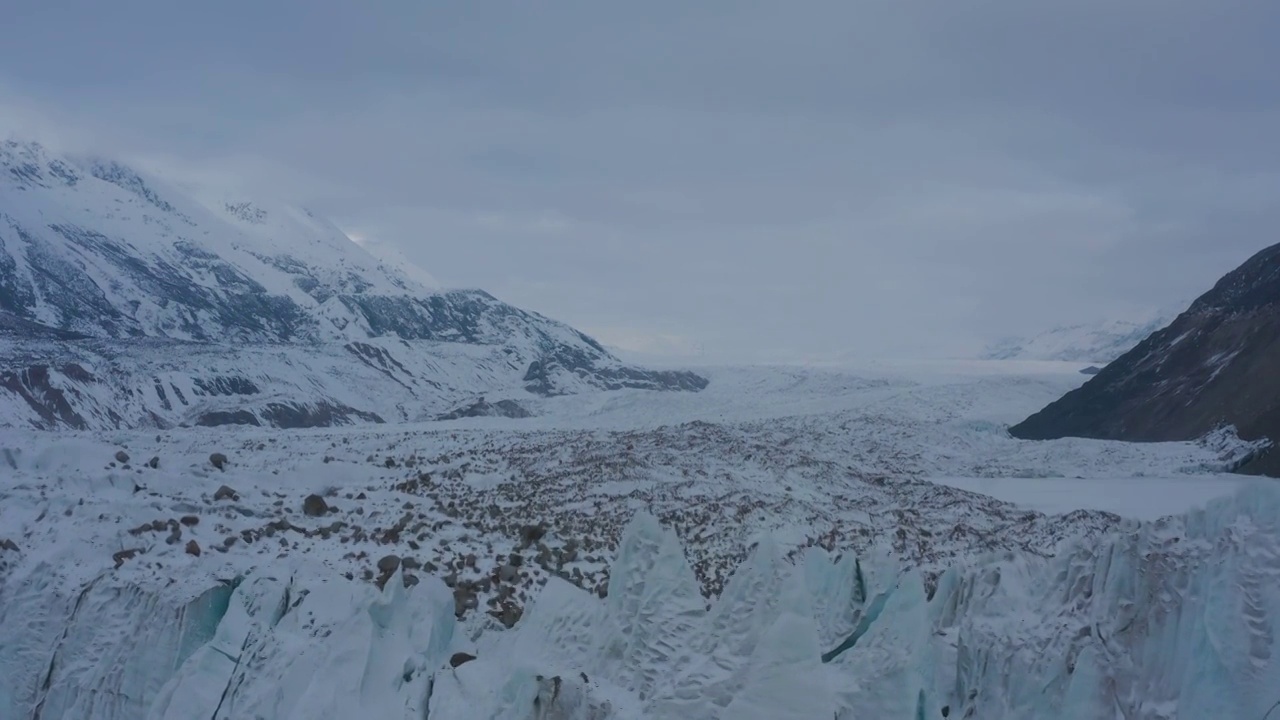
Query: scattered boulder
(530,534)
(226,493)
(314,506)
(121,556)
(509,615)
(122,457)
(193,548)
(507,573)
(464,599)
(190,520)
(388,564)
(154,462)
(218,460)
(460,658)
(8,544)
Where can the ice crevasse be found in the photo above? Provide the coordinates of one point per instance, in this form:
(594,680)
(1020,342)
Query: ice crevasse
(1162,620)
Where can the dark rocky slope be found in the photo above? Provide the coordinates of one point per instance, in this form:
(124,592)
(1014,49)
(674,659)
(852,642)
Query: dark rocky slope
(1218,364)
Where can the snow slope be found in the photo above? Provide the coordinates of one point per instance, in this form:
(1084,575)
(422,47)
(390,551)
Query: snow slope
(1087,343)
(777,549)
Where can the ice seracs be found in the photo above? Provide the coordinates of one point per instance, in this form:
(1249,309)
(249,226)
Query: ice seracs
(1173,619)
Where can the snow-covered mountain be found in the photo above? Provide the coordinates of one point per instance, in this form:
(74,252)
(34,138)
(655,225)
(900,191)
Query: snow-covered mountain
(1090,343)
(126,300)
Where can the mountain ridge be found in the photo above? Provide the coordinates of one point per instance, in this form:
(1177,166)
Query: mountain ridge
(1212,368)
(110,278)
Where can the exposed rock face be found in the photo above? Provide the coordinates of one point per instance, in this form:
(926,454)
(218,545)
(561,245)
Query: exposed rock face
(545,377)
(1214,366)
(482,408)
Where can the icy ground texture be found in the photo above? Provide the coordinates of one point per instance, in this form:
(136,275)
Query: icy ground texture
(282,615)
(1174,619)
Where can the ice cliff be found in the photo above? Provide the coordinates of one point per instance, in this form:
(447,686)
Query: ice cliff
(1169,619)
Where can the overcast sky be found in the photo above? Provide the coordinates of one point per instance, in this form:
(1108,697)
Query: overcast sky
(744,179)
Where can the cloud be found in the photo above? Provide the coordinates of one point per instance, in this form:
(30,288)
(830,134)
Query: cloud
(23,118)
(648,344)
(805,178)
(390,255)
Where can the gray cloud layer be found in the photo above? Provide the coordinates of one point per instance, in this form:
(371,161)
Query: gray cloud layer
(754,179)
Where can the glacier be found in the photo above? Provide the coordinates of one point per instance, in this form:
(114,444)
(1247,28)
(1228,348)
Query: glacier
(1173,618)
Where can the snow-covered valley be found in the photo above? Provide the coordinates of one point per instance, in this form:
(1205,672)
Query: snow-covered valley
(790,542)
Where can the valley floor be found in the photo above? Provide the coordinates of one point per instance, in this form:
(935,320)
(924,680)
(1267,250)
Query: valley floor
(909,463)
